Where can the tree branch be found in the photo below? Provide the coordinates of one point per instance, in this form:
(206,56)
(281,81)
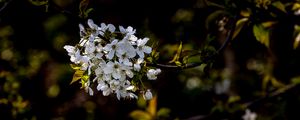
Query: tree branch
(5,5)
(275,94)
(191,65)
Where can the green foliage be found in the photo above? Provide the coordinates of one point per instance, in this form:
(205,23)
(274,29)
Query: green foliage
(262,34)
(83,9)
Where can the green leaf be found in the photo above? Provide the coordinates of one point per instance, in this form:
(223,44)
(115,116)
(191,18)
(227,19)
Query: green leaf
(296,80)
(163,112)
(140,115)
(152,106)
(177,55)
(297,41)
(75,66)
(213,16)
(261,34)
(239,25)
(77,75)
(83,8)
(245,13)
(86,13)
(268,24)
(178,63)
(279,5)
(234,98)
(296,6)
(38,3)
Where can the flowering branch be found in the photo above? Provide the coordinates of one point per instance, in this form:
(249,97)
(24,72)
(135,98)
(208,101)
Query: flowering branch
(113,59)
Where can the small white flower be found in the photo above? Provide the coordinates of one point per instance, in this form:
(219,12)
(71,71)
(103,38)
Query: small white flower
(142,48)
(69,49)
(137,64)
(95,30)
(222,87)
(82,31)
(128,31)
(132,39)
(88,89)
(90,48)
(152,74)
(132,95)
(148,95)
(114,69)
(249,115)
(111,49)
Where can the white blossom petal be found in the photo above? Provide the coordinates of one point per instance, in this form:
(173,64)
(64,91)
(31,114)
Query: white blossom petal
(147,49)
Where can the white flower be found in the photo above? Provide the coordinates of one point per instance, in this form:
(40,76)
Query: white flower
(88,89)
(104,88)
(147,95)
(113,68)
(132,39)
(125,47)
(95,30)
(249,115)
(84,61)
(111,28)
(136,65)
(142,48)
(222,87)
(152,74)
(82,31)
(89,48)
(128,31)
(111,49)
(70,49)
(131,95)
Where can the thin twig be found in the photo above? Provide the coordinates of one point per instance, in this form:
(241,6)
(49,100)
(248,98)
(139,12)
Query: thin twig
(275,94)
(5,5)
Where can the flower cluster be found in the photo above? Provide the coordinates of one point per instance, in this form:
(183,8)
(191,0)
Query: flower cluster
(113,59)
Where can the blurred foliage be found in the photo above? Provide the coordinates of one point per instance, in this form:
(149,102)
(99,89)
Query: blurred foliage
(257,70)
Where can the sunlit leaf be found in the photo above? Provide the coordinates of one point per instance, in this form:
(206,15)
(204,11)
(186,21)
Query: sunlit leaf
(53,91)
(177,55)
(86,13)
(141,102)
(276,83)
(163,112)
(296,80)
(234,98)
(261,34)
(75,66)
(279,5)
(296,6)
(239,25)
(140,115)
(296,42)
(245,13)
(268,24)
(3,101)
(152,106)
(178,63)
(77,75)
